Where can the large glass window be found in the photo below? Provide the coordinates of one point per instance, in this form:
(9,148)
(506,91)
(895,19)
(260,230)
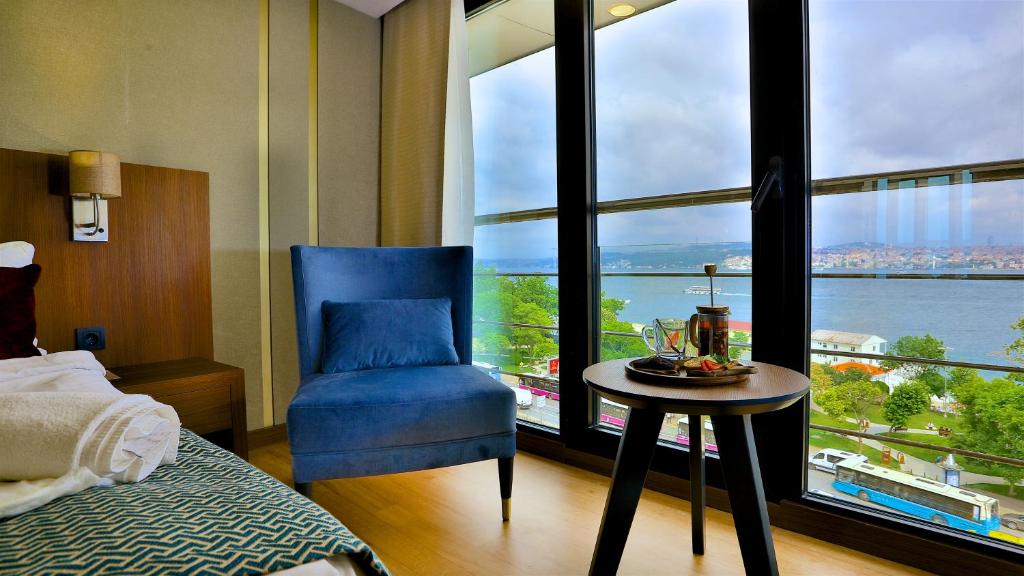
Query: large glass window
(515,331)
(673,175)
(515,334)
(917,324)
(917,334)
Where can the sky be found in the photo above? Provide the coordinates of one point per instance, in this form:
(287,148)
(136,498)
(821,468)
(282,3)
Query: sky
(894,85)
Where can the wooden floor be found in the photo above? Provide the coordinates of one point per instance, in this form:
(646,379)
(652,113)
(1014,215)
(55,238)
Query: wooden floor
(448,521)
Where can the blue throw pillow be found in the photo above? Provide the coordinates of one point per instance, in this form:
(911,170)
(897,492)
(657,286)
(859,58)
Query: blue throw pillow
(387,334)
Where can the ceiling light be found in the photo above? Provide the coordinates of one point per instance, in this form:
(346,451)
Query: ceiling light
(622,10)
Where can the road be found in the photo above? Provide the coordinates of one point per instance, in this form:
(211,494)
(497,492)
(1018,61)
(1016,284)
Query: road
(822,481)
(544,412)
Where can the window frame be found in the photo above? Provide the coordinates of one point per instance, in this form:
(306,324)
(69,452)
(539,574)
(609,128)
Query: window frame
(780,126)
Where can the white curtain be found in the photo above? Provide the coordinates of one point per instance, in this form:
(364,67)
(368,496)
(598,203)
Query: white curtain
(457,193)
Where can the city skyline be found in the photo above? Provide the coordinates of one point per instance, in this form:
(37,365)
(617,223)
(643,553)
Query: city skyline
(737,256)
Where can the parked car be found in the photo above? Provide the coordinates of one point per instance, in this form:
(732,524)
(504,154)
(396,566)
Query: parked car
(827,458)
(523,398)
(1012,520)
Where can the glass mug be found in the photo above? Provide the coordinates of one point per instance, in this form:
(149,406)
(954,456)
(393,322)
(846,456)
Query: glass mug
(668,336)
(707,330)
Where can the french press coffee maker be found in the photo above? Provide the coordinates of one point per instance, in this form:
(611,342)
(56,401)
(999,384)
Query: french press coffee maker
(711,333)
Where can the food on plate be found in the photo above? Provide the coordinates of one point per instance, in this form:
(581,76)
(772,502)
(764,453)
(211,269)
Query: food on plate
(711,363)
(656,364)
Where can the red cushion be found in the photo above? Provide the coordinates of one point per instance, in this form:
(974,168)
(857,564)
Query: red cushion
(18,311)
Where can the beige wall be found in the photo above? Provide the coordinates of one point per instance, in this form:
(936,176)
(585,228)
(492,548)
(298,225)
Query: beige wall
(158,82)
(348,89)
(349,126)
(289,182)
(175,83)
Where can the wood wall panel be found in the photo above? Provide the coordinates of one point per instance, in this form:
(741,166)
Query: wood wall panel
(149,286)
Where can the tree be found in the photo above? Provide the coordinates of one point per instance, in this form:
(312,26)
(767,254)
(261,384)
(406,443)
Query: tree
(905,401)
(821,378)
(615,347)
(533,300)
(961,376)
(842,394)
(850,397)
(520,300)
(852,374)
(926,346)
(1015,350)
(741,337)
(992,414)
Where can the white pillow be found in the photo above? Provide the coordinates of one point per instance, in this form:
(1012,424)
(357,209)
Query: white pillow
(16,254)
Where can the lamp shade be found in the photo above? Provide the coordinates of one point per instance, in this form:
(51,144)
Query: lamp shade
(94,173)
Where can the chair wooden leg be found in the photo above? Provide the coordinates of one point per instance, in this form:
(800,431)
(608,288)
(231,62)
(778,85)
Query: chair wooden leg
(305,488)
(505,479)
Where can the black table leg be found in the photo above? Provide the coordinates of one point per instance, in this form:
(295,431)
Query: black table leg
(635,451)
(735,441)
(696,435)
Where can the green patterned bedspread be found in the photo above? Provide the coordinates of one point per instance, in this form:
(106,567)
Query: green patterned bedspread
(210,513)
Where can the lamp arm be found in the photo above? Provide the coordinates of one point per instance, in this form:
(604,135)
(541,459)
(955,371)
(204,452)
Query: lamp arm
(95,215)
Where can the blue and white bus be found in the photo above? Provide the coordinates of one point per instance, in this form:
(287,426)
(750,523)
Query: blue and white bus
(921,497)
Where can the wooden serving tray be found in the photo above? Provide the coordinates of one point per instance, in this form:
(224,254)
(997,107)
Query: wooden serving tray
(688,378)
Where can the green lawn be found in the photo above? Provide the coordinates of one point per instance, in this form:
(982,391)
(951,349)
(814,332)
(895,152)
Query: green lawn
(920,453)
(998,489)
(820,439)
(919,421)
(826,420)
(968,464)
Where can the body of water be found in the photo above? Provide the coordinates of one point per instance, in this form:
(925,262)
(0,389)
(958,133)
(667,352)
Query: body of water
(972,317)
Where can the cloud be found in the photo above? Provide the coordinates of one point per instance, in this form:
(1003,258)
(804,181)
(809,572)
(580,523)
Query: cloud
(894,86)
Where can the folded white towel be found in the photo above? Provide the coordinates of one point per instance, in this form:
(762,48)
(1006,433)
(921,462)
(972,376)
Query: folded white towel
(64,428)
(77,371)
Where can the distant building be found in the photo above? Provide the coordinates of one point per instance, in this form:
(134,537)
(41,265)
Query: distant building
(741,326)
(846,342)
(891,378)
(871,370)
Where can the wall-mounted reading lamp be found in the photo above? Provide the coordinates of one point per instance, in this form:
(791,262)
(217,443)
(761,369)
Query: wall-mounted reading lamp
(94,177)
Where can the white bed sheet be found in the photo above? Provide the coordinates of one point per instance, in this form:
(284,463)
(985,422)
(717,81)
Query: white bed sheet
(340,565)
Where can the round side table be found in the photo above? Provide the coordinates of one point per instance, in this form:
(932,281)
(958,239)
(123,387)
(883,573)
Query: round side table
(730,407)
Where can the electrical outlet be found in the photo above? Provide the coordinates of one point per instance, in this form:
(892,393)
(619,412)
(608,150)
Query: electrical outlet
(94,338)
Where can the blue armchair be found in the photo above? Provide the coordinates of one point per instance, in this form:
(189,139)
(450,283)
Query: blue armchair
(386,420)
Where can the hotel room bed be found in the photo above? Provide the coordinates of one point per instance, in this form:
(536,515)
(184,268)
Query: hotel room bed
(202,510)
(208,513)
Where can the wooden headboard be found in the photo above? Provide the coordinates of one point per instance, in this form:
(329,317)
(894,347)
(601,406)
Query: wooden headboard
(149,286)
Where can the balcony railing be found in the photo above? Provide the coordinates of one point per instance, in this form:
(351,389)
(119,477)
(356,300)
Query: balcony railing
(816,351)
(834,275)
(922,178)
(842,431)
(937,448)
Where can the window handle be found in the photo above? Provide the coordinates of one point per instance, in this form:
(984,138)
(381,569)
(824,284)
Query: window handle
(772,181)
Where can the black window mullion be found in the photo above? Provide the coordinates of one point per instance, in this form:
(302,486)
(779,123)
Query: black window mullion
(780,128)
(578,269)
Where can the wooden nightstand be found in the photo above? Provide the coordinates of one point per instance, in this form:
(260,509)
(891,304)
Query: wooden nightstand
(208,396)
